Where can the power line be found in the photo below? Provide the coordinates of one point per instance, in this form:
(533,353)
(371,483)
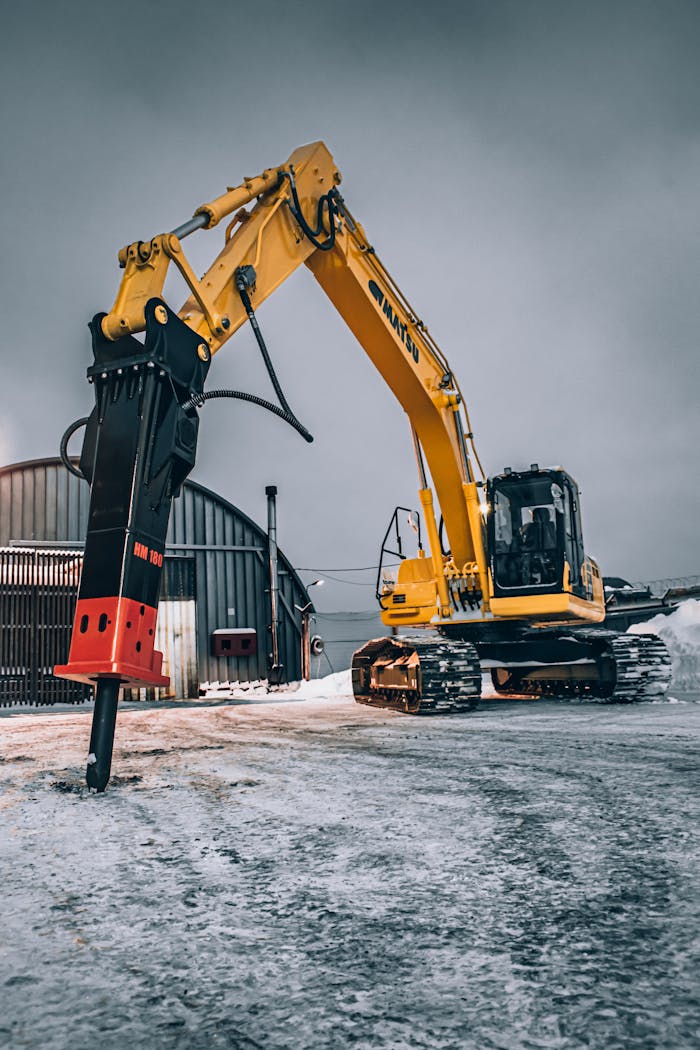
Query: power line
(337,579)
(359,568)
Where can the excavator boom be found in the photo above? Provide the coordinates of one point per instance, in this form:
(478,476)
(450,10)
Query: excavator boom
(298,216)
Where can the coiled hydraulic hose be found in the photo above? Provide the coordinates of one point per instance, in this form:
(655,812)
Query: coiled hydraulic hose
(65,458)
(327,201)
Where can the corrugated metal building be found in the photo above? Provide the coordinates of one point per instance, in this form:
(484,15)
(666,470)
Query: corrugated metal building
(216,576)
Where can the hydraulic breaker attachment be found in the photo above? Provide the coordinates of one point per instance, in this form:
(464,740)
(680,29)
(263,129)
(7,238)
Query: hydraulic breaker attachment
(139,447)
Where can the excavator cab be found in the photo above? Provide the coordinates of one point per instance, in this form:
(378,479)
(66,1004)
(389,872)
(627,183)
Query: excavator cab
(534,533)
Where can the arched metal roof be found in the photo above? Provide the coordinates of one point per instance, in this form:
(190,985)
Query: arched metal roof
(40,501)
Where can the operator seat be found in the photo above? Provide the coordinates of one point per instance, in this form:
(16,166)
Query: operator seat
(539,534)
(539,541)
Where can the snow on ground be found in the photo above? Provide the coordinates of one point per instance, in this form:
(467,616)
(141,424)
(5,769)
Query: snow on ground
(338,684)
(681,633)
(286,869)
(312,874)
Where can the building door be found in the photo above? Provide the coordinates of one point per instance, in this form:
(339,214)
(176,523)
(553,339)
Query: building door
(176,630)
(176,633)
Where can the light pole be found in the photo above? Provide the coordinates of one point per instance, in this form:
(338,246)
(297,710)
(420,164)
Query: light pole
(305,611)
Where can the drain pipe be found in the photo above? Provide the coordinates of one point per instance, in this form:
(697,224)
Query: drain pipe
(276,670)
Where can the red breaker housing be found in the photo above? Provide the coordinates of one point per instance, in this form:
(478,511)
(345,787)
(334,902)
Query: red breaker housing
(139,447)
(114,638)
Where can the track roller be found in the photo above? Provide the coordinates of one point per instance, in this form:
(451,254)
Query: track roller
(417,676)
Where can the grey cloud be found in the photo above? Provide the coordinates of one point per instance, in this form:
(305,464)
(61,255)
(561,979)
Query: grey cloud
(528,171)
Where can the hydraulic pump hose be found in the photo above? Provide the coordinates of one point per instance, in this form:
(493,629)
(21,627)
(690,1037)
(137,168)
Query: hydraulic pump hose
(240,395)
(245,299)
(284,412)
(65,458)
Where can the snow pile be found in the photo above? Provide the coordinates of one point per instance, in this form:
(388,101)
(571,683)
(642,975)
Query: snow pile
(332,687)
(681,633)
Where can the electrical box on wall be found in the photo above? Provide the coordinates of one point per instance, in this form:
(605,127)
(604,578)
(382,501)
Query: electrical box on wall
(234,641)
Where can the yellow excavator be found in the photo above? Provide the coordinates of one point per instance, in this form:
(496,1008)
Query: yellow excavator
(500,579)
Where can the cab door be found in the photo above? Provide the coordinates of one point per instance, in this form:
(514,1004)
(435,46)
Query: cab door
(573,536)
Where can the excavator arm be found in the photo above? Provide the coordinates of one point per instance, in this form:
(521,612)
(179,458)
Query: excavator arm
(298,216)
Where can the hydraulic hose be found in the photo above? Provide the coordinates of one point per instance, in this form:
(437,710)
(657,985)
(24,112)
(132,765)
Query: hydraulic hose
(240,395)
(328,201)
(441,528)
(65,458)
(245,278)
(245,299)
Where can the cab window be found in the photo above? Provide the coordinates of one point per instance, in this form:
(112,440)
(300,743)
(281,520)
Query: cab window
(528,530)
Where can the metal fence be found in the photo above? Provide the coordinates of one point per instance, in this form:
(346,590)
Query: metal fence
(670,583)
(38,592)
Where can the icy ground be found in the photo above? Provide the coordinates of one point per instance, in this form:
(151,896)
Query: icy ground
(311,873)
(293,870)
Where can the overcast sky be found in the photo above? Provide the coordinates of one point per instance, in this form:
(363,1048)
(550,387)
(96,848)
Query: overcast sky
(528,171)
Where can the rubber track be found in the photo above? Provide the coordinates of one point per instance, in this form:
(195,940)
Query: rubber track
(642,672)
(450,676)
(643,666)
